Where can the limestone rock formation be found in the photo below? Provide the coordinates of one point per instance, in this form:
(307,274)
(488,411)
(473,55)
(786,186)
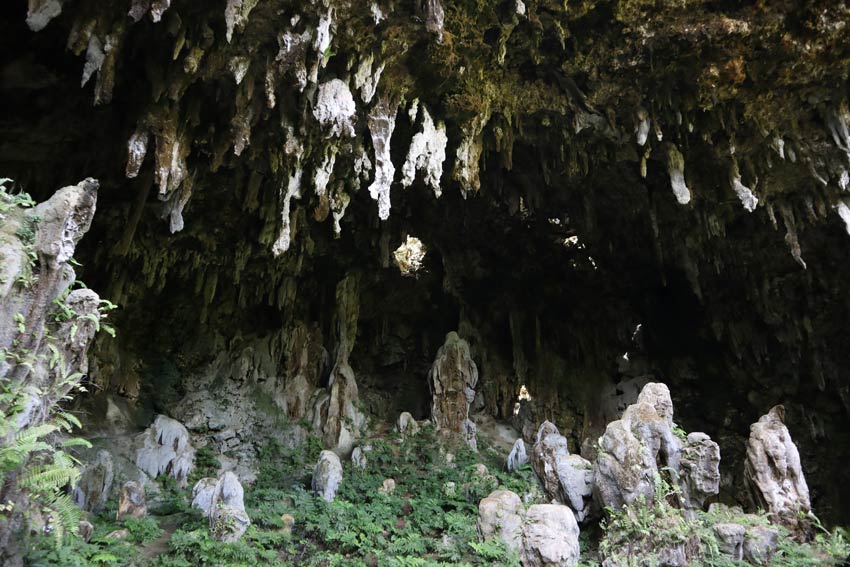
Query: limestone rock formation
(131,502)
(45,329)
(501,515)
(95,484)
(760,544)
(545,535)
(327,475)
(730,538)
(202,494)
(518,456)
(551,537)
(452,380)
(228,519)
(566,478)
(406,424)
(166,449)
(774,471)
(700,470)
(635,448)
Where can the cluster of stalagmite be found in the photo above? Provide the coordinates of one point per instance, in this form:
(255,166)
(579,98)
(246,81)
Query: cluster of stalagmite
(637,455)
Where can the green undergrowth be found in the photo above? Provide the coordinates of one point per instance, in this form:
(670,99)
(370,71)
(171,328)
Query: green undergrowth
(428,521)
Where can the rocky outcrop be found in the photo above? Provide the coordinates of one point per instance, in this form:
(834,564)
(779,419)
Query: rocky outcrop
(636,448)
(774,471)
(406,425)
(131,502)
(166,449)
(45,332)
(566,478)
(545,535)
(452,380)
(93,489)
(327,476)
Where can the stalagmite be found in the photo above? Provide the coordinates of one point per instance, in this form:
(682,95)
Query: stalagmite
(426,154)
(452,380)
(381,126)
(774,471)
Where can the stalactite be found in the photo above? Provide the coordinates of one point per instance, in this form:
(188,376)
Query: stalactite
(381,126)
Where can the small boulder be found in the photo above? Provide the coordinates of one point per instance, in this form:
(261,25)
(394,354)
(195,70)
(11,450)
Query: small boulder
(730,540)
(118,534)
(551,537)
(760,544)
(327,475)
(358,456)
(131,503)
(501,515)
(700,470)
(288,523)
(406,425)
(85,530)
(387,487)
(566,478)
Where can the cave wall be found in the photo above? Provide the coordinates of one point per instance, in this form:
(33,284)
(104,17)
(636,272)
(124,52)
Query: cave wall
(681,167)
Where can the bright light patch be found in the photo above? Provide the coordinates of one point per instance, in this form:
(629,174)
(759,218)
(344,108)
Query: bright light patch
(409,256)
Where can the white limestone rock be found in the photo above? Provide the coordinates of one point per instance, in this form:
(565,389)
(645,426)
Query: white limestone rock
(165,449)
(335,109)
(550,537)
(40,12)
(676,170)
(202,494)
(427,154)
(566,478)
(327,476)
(501,515)
(518,456)
(381,125)
(407,425)
(700,470)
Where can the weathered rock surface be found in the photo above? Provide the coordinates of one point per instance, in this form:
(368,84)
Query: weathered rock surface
(760,544)
(551,537)
(700,470)
(518,456)
(730,538)
(228,519)
(566,478)
(45,327)
(131,502)
(452,381)
(202,494)
(166,449)
(501,515)
(774,471)
(545,535)
(95,484)
(327,476)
